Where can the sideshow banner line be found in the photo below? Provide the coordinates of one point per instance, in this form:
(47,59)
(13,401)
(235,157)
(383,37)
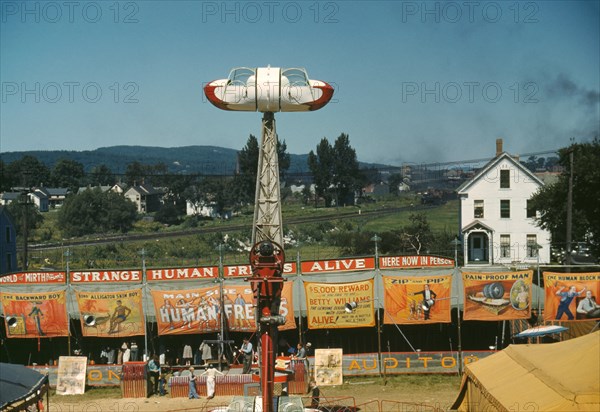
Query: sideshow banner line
(111,314)
(35,315)
(572,296)
(325,303)
(417,300)
(497,296)
(190,311)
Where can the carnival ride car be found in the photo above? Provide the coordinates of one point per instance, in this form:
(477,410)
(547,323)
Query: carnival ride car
(268,89)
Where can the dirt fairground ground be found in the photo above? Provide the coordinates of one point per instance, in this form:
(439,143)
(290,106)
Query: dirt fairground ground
(434,390)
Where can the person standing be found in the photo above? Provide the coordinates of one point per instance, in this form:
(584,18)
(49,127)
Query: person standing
(211,373)
(206,352)
(315,395)
(187,355)
(246,350)
(120,354)
(192,392)
(300,356)
(154,373)
(126,354)
(134,351)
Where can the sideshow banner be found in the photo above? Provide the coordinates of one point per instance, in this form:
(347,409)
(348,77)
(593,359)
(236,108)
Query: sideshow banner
(71,375)
(35,278)
(329,367)
(497,296)
(417,299)
(325,304)
(34,315)
(111,314)
(571,296)
(198,310)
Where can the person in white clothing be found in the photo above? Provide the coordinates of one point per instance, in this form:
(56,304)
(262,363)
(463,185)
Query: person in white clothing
(211,373)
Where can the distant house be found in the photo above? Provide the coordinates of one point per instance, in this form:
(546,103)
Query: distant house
(496,221)
(119,188)
(90,187)
(8,245)
(200,209)
(377,189)
(145,196)
(7,197)
(56,195)
(40,199)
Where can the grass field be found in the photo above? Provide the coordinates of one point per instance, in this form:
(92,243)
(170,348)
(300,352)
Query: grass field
(201,246)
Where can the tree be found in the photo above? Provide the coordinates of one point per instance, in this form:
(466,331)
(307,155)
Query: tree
(27,172)
(347,177)
(23,210)
(135,173)
(321,165)
(94,211)
(67,173)
(245,182)
(101,175)
(335,171)
(550,199)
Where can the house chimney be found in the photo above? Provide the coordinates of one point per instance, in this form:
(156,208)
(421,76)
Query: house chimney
(499,147)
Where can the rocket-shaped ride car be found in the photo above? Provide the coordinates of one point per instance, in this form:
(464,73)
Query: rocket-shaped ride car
(268,89)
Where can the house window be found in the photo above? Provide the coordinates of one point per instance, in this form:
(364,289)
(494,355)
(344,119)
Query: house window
(478,209)
(532,246)
(8,240)
(9,267)
(505,208)
(531,212)
(505,246)
(504,179)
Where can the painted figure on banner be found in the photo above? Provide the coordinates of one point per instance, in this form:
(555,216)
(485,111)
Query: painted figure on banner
(587,307)
(214,304)
(186,308)
(119,316)
(168,309)
(566,297)
(37,314)
(241,321)
(427,301)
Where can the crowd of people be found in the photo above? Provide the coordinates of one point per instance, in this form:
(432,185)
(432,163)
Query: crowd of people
(158,381)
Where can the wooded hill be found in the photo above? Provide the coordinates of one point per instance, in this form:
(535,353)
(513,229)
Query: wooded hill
(206,160)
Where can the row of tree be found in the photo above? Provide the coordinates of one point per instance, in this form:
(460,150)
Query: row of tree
(335,170)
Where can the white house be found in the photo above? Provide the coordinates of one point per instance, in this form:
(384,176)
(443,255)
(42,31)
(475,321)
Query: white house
(496,222)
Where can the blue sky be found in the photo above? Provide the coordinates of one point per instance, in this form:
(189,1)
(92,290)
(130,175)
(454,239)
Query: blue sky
(415,81)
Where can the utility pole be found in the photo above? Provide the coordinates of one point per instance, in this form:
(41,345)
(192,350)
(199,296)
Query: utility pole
(569,209)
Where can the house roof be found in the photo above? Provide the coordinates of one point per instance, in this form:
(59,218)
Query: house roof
(476,224)
(493,163)
(54,191)
(144,189)
(10,196)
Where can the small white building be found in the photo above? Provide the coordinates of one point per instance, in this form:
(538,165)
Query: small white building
(496,221)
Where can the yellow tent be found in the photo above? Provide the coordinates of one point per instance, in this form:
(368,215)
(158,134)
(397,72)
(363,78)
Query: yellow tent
(563,376)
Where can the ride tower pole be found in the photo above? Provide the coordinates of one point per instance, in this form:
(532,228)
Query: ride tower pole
(268,90)
(267,223)
(267,256)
